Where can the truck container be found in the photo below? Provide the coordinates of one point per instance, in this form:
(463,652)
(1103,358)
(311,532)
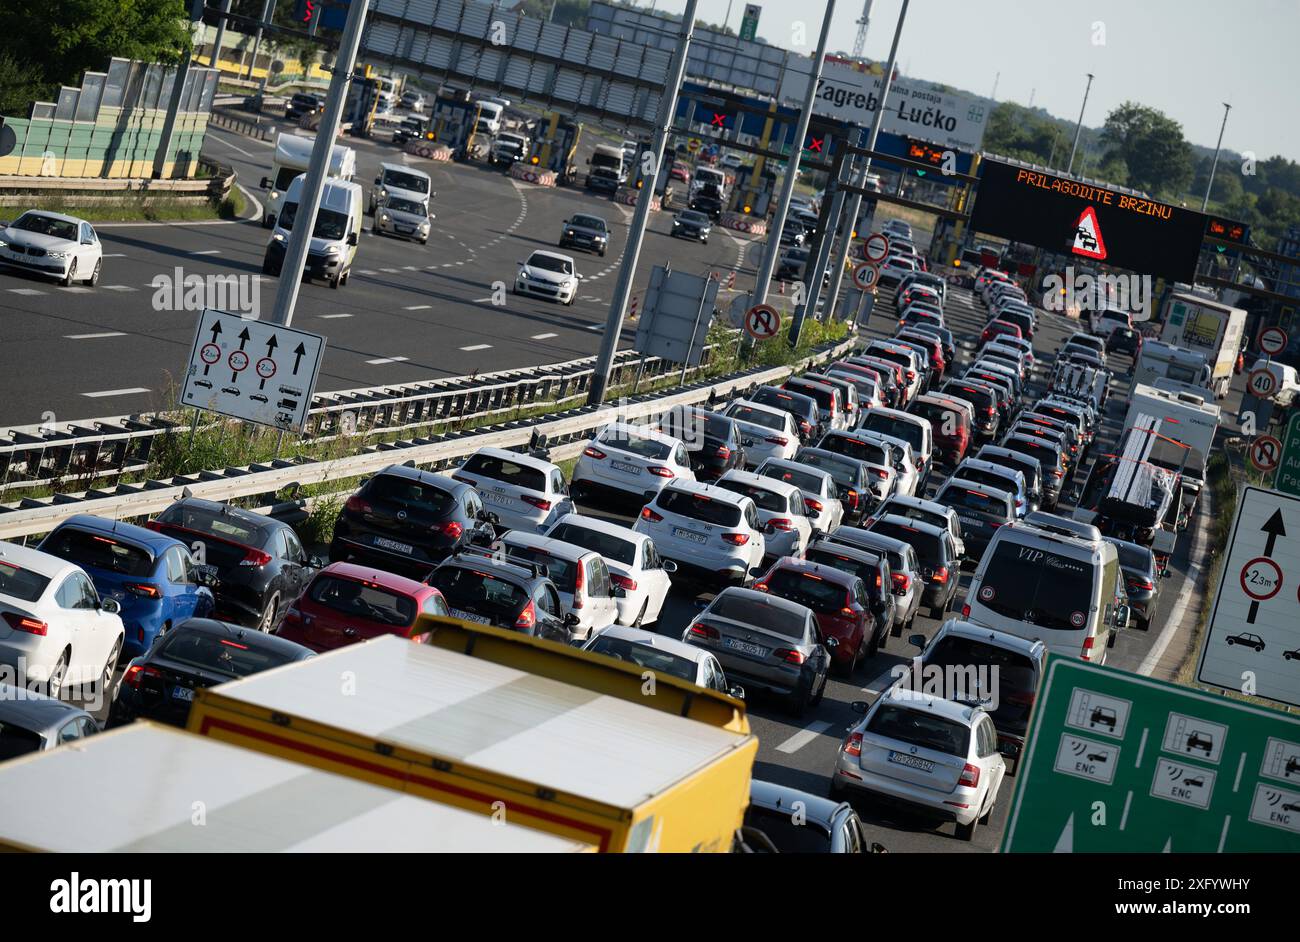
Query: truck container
(150,788)
(583,758)
(1195,322)
(1187,425)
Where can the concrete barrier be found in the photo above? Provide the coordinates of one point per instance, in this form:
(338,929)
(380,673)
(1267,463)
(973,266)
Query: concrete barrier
(742,223)
(536,175)
(428,150)
(628,196)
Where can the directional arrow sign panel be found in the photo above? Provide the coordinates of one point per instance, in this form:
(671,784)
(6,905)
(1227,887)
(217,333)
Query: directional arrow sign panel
(1120,763)
(252,370)
(1252,642)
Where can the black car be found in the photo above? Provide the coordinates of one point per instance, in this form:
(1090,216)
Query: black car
(1124,340)
(1050,460)
(713,441)
(793,264)
(261,565)
(793,233)
(873,569)
(803,408)
(694,225)
(707,204)
(197,653)
(411,129)
(983,508)
(303,103)
(1141,579)
(852,480)
(585,231)
(509,593)
(407,521)
(937,553)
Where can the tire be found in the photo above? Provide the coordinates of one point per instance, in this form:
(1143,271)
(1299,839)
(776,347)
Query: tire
(266,621)
(1230,642)
(988,813)
(334,282)
(106,677)
(798,703)
(71,276)
(937,611)
(55,682)
(966,832)
(873,643)
(826,679)
(94,275)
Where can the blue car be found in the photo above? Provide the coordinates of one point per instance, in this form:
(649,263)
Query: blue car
(151,575)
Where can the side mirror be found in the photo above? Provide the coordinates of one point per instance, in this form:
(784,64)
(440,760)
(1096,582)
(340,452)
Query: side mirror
(316,562)
(830,643)
(205,575)
(878,848)
(492,518)
(668,566)
(917,641)
(860,706)
(1164,573)
(110,606)
(266,183)
(352,238)
(571,619)
(736,692)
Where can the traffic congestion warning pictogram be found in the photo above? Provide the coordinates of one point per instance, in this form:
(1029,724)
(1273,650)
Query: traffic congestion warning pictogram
(1265,452)
(1262,383)
(875,247)
(1087,236)
(762,321)
(1273,340)
(866,275)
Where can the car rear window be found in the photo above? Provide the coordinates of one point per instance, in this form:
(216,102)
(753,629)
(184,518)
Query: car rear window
(976,502)
(506,471)
(806,588)
(895,427)
(636,445)
(760,612)
(21,584)
(1132,556)
(928,546)
(1015,674)
(790,833)
(980,398)
(920,729)
(1046,454)
(699,507)
(644,655)
(872,452)
(93,551)
(363,600)
(410,493)
(478,591)
(844,471)
(808,483)
(757,417)
(823,397)
(867,572)
(224,526)
(763,498)
(17,741)
(1035,585)
(562,572)
(226,656)
(794,403)
(913,513)
(606,544)
(942,416)
(1000,482)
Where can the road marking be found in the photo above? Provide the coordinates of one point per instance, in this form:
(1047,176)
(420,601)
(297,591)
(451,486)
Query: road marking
(24,290)
(417,307)
(115,392)
(477,346)
(595,326)
(365,271)
(1193,577)
(410,268)
(110,333)
(803,737)
(481,300)
(542,336)
(390,271)
(207,252)
(77,289)
(330,317)
(382,360)
(122,287)
(115,255)
(220,140)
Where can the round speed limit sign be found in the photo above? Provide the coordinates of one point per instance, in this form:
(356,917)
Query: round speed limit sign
(866,275)
(1262,383)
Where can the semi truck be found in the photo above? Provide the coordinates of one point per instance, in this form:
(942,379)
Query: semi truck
(187,793)
(1209,327)
(556,739)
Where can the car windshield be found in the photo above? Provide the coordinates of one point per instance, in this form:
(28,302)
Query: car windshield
(506,471)
(550,263)
(21,584)
(95,551)
(477,591)
(893,427)
(47,225)
(645,655)
(363,600)
(699,507)
(759,612)
(918,728)
(698,219)
(399,205)
(1014,673)
(329,223)
(763,499)
(562,572)
(408,493)
(789,833)
(757,417)
(1037,586)
(806,588)
(588,222)
(635,444)
(229,657)
(612,548)
(872,452)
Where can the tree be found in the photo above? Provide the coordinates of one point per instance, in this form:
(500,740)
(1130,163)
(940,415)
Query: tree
(1151,145)
(17,87)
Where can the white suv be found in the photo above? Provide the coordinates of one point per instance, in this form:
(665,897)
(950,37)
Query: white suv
(630,461)
(525,493)
(781,510)
(713,534)
(765,432)
(579,574)
(633,562)
(820,493)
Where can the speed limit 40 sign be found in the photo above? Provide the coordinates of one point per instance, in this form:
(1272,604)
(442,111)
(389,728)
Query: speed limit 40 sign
(1262,383)
(866,275)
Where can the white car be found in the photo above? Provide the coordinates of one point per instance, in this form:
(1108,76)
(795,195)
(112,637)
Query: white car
(712,534)
(820,493)
(671,656)
(525,493)
(548,275)
(580,576)
(907,477)
(868,390)
(870,451)
(414,101)
(924,751)
(52,244)
(54,628)
(781,510)
(633,562)
(765,432)
(629,461)
(405,217)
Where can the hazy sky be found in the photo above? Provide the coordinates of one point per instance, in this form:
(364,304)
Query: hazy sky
(1185,57)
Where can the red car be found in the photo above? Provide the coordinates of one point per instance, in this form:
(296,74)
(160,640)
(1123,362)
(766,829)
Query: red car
(838,599)
(680,171)
(347,603)
(997,328)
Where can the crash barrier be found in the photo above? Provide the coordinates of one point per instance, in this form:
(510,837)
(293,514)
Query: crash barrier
(96,191)
(224,119)
(428,150)
(628,196)
(564,434)
(529,174)
(742,223)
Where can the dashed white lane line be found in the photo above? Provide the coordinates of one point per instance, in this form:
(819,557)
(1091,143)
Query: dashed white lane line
(595,326)
(207,252)
(115,392)
(107,333)
(27,291)
(121,287)
(382,360)
(542,336)
(482,300)
(390,271)
(803,737)
(114,255)
(477,346)
(417,307)
(365,271)
(330,317)
(78,289)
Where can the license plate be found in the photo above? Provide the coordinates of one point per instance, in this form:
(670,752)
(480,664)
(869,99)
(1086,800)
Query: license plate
(912,762)
(496,497)
(690,535)
(385,543)
(624,467)
(745,647)
(183,693)
(405,228)
(470,616)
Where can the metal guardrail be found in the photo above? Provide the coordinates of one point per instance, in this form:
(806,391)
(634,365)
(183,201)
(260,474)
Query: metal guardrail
(261,483)
(224,119)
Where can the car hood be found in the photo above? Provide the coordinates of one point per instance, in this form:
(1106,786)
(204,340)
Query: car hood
(541,274)
(35,239)
(586,231)
(411,219)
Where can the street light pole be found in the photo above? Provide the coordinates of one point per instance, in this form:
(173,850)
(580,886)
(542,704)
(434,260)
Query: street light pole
(1215,164)
(295,254)
(636,230)
(257,37)
(1078,128)
(221,36)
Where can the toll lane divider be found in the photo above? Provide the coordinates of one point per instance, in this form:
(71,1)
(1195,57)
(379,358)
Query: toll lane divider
(628,195)
(429,150)
(536,175)
(566,434)
(743,223)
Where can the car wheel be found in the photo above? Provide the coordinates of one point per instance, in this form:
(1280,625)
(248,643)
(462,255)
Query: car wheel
(55,683)
(334,282)
(110,665)
(266,622)
(1230,642)
(966,832)
(873,644)
(936,611)
(94,275)
(71,276)
(1258,648)
(798,703)
(640,616)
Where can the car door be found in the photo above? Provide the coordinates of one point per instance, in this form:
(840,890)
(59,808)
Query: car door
(183,594)
(657,579)
(293,568)
(560,495)
(96,630)
(550,618)
(68,629)
(601,592)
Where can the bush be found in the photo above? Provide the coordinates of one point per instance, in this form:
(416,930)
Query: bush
(318,528)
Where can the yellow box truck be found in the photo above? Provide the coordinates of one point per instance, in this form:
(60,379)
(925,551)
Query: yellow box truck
(604,767)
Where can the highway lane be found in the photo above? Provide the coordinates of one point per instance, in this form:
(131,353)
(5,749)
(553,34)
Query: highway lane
(410,313)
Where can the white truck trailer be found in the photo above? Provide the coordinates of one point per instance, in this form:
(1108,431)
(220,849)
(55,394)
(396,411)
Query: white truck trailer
(1195,322)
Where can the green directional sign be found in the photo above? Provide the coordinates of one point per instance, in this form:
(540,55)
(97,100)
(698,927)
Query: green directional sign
(749,22)
(1120,763)
(1288,467)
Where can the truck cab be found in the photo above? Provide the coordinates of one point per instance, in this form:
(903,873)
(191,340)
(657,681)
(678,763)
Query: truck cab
(608,169)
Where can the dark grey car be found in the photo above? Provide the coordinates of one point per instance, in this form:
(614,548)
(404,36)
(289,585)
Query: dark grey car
(796,822)
(1141,579)
(584,231)
(33,722)
(689,224)
(765,642)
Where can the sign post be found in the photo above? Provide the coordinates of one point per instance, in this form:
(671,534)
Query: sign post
(1118,763)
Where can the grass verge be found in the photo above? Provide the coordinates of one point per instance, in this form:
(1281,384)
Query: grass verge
(154,209)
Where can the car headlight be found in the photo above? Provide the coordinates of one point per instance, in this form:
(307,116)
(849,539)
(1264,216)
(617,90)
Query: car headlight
(278,237)
(333,249)
(275,195)
(59,255)
(569,233)
(383,217)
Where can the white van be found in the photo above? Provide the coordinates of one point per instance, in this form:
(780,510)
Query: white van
(403,181)
(335,238)
(490,112)
(1052,580)
(292,157)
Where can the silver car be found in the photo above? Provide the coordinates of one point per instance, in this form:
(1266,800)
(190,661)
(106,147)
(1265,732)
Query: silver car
(666,655)
(405,217)
(33,722)
(768,642)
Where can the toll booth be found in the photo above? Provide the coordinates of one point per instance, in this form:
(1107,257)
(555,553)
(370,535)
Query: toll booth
(452,121)
(362,102)
(555,146)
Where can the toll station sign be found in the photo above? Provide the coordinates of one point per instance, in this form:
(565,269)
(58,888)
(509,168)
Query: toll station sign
(1092,223)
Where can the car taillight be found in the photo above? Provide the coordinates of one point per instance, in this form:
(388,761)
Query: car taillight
(902,582)
(781,523)
(853,745)
(970,776)
(661,471)
(777,440)
(292,616)
(452,529)
(789,656)
(724,452)
(138,672)
(623,582)
(1087,648)
(255,557)
(527,618)
(579,580)
(705,630)
(539,502)
(357,505)
(1145,584)
(853,499)
(143,588)
(33,626)
(1058,474)
(880,473)
(965,610)
(940,575)
(813,505)
(648,514)
(596,453)
(911,375)
(736,539)
(805,428)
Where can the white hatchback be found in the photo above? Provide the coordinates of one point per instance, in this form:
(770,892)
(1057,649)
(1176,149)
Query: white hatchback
(634,564)
(781,510)
(765,432)
(630,461)
(548,275)
(579,574)
(711,533)
(525,493)
(820,493)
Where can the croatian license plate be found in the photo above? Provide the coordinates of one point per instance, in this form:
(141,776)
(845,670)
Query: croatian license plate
(624,467)
(183,693)
(498,497)
(470,616)
(745,647)
(912,762)
(690,535)
(385,543)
